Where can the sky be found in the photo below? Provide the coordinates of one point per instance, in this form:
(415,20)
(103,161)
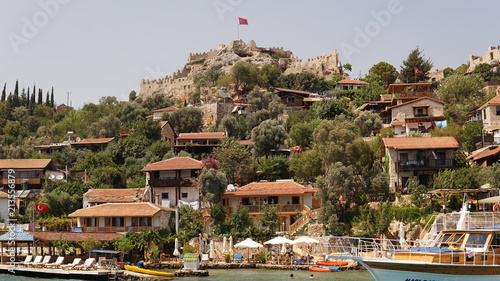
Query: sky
(87,49)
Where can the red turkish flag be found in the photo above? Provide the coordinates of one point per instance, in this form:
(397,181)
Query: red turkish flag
(243,21)
(417,71)
(41,208)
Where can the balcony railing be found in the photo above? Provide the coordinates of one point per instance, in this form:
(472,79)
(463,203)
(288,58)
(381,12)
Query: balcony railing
(426,164)
(282,208)
(171,182)
(118,228)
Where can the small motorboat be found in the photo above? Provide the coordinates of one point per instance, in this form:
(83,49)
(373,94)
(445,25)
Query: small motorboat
(332,263)
(147,271)
(322,268)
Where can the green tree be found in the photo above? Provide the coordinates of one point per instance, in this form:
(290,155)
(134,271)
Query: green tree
(295,117)
(234,125)
(235,161)
(386,71)
(269,76)
(415,68)
(370,92)
(132,96)
(484,70)
(239,223)
(270,134)
(61,203)
(244,74)
(463,178)
(273,167)
(490,175)
(52,104)
(218,215)
(368,123)
(40,96)
(347,66)
(213,185)
(187,120)
(331,108)
(458,88)
(376,221)
(306,166)
(270,219)
(105,127)
(157,101)
(190,221)
(301,134)
(3,92)
(91,244)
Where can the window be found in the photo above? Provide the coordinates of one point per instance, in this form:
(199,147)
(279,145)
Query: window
(184,195)
(145,221)
(117,221)
(91,222)
(164,195)
(295,200)
(476,240)
(441,158)
(403,157)
(498,110)
(290,99)
(420,111)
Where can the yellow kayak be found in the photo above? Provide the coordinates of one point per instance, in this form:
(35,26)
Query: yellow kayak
(147,271)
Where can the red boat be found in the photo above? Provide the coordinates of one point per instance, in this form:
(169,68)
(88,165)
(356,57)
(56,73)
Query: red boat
(332,263)
(319,269)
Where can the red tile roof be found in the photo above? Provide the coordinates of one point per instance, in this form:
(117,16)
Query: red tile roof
(420,143)
(201,136)
(74,236)
(493,102)
(100,140)
(292,91)
(170,108)
(270,189)
(142,209)
(114,192)
(485,153)
(414,101)
(24,163)
(3,194)
(176,163)
(352,82)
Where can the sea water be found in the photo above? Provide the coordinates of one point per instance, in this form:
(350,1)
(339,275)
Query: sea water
(248,275)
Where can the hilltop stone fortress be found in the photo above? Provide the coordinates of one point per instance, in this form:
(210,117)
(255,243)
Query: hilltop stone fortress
(180,84)
(491,57)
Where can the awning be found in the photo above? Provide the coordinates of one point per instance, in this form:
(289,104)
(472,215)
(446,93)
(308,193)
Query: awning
(490,200)
(107,252)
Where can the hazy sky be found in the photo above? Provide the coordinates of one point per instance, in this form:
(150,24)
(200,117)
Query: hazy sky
(104,48)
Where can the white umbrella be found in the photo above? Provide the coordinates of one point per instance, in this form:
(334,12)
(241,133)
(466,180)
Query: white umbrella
(231,244)
(176,248)
(248,243)
(279,240)
(305,240)
(224,245)
(212,250)
(402,239)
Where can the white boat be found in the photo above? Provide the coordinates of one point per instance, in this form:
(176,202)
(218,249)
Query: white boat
(466,248)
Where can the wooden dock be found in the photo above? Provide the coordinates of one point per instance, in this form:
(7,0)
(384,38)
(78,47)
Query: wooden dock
(55,273)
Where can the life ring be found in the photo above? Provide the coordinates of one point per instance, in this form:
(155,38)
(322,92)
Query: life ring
(496,208)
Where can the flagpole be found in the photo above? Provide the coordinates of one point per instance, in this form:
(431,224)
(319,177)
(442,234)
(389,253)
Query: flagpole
(238,23)
(34,227)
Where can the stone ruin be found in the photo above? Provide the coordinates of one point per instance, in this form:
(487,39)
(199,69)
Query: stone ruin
(180,84)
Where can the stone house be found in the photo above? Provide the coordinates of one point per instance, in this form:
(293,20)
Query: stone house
(173,181)
(122,217)
(417,157)
(289,197)
(94,145)
(158,114)
(417,115)
(292,99)
(343,85)
(490,114)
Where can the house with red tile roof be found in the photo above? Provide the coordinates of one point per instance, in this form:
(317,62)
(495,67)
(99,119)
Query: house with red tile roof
(122,217)
(94,145)
(490,113)
(28,172)
(158,114)
(293,99)
(198,143)
(486,156)
(173,181)
(101,196)
(344,85)
(420,115)
(288,196)
(404,92)
(417,157)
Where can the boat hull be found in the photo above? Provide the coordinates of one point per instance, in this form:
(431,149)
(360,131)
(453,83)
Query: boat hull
(147,271)
(332,263)
(395,271)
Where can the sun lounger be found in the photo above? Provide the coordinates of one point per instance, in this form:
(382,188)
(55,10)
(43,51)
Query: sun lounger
(75,262)
(88,264)
(55,264)
(38,259)
(45,261)
(27,260)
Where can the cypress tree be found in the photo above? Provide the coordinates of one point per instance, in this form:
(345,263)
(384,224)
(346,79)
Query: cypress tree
(3,91)
(22,98)
(32,101)
(47,100)
(52,97)
(15,97)
(28,99)
(40,96)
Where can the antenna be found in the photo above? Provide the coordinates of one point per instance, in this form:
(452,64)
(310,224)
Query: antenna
(67,98)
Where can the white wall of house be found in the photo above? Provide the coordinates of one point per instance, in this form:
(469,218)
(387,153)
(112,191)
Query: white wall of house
(400,113)
(490,117)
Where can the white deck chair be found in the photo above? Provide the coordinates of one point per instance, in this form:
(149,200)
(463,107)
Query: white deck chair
(75,262)
(38,259)
(57,263)
(27,260)
(88,264)
(45,261)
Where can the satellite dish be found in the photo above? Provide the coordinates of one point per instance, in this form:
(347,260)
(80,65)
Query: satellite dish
(230,187)
(51,177)
(60,177)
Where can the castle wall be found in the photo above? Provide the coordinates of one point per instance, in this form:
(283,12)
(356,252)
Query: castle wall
(491,56)
(215,111)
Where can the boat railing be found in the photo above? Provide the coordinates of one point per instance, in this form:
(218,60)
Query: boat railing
(449,253)
(451,221)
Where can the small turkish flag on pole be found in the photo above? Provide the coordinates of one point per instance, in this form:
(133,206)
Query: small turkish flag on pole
(417,71)
(41,208)
(243,21)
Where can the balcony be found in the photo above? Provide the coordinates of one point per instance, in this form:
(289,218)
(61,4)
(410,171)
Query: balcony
(282,208)
(186,182)
(118,228)
(430,164)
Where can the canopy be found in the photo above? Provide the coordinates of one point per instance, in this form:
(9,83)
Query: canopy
(248,243)
(305,240)
(279,240)
(107,252)
(490,200)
